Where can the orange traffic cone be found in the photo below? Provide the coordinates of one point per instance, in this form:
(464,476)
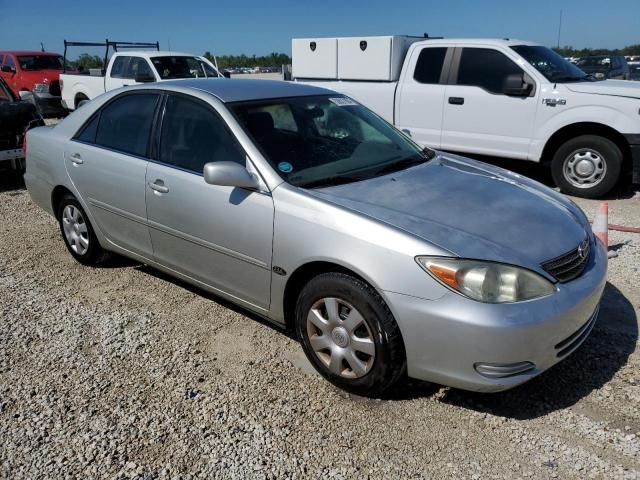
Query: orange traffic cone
(601,224)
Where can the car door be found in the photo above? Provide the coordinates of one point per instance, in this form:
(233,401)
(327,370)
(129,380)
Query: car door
(478,116)
(420,96)
(107,163)
(219,236)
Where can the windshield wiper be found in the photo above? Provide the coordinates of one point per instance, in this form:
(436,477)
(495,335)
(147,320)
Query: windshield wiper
(329,181)
(406,163)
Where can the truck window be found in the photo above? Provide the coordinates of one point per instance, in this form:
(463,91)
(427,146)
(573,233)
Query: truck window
(119,66)
(192,135)
(137,65)
(125,123)
(8,60)
(429,65)
(485,68)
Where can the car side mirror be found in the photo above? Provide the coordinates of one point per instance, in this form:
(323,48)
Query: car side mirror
(516,86)
(226,74)
(229,174)
(144,78)
(8,69)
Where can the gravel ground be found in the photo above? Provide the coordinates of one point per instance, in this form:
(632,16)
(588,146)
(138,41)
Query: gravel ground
(121,372)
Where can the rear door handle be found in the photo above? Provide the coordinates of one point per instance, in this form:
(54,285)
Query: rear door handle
(159,186)
(456,100)
(77,158)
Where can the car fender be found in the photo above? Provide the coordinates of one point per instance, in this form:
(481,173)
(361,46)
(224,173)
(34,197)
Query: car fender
(609,116)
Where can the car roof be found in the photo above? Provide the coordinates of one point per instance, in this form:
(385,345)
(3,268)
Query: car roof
(153,53)
(240,90)
(29,52)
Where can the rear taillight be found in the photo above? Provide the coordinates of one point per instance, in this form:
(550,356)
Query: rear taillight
(61,84)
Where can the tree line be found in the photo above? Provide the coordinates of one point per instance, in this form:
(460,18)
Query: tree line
(568,51)
(86,61)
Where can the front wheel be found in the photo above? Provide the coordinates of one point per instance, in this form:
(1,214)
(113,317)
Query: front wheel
(349,334)
(587,166)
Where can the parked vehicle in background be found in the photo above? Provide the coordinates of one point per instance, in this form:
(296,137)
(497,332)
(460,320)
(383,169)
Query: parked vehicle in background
(16,117)
(605,66)
(502,98)
(128,67)
(36,73)
(385,258)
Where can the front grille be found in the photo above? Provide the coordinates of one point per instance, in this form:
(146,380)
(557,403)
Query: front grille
(570,265)
(573,341)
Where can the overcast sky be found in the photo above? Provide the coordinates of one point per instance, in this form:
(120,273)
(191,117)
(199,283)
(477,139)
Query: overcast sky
(264,26)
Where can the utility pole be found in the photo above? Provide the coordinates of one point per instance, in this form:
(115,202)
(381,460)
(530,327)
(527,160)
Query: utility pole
(559,28)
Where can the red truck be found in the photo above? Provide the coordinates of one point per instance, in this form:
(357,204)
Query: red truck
(34,75)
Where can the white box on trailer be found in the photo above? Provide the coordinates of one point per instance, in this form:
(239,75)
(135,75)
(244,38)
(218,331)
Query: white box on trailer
(372,58)
(315,58)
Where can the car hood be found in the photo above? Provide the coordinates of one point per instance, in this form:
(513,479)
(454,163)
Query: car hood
(471,209)
(619,88)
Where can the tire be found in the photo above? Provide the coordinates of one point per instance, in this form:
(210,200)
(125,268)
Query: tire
(77,232)
(81,102)
(587,166)
(372,339)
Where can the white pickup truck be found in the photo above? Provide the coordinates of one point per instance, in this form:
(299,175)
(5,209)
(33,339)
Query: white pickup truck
(501,98)
(129,68)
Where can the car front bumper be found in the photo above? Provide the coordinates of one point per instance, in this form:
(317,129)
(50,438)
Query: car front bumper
(449,340)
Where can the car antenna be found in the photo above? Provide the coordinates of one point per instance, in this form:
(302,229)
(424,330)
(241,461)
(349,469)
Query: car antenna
(41,47)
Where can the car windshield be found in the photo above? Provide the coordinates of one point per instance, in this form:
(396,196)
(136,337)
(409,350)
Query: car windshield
(40,62)
(182,67)
(598,62)
(554,67)
(326,140)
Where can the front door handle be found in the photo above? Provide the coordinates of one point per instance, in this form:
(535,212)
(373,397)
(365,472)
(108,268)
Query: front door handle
(159,186)
(76,158)
(456,100)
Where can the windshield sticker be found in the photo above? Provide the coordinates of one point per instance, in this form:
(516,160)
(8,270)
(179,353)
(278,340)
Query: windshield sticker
(343,101)
(285,167)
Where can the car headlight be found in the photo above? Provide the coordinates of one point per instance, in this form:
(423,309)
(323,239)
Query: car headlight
(487,281)
(40,88)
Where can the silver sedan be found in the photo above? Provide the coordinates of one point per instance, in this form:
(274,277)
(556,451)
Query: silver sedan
(387,259)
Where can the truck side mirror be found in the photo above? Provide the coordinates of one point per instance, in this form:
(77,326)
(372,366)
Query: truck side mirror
(8,69)
(516,86)
(144,78)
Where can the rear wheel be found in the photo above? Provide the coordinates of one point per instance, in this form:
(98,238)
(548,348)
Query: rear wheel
(77,232)
(81,101)
(349,334)
(587,166)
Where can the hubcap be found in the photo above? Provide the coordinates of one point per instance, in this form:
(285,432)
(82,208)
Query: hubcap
(75,230)
(585,168)
(341,338)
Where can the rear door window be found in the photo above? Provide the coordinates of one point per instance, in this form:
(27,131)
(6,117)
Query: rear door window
(193,135)
(125,123)
(119,67)
(429,65)
(486,68)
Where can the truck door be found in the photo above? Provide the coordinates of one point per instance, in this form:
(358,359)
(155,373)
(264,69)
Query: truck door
(116,76)
(420,95)
(478,116)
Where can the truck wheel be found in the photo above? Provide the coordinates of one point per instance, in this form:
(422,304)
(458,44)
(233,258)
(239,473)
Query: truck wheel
(587,166)
(81,101)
